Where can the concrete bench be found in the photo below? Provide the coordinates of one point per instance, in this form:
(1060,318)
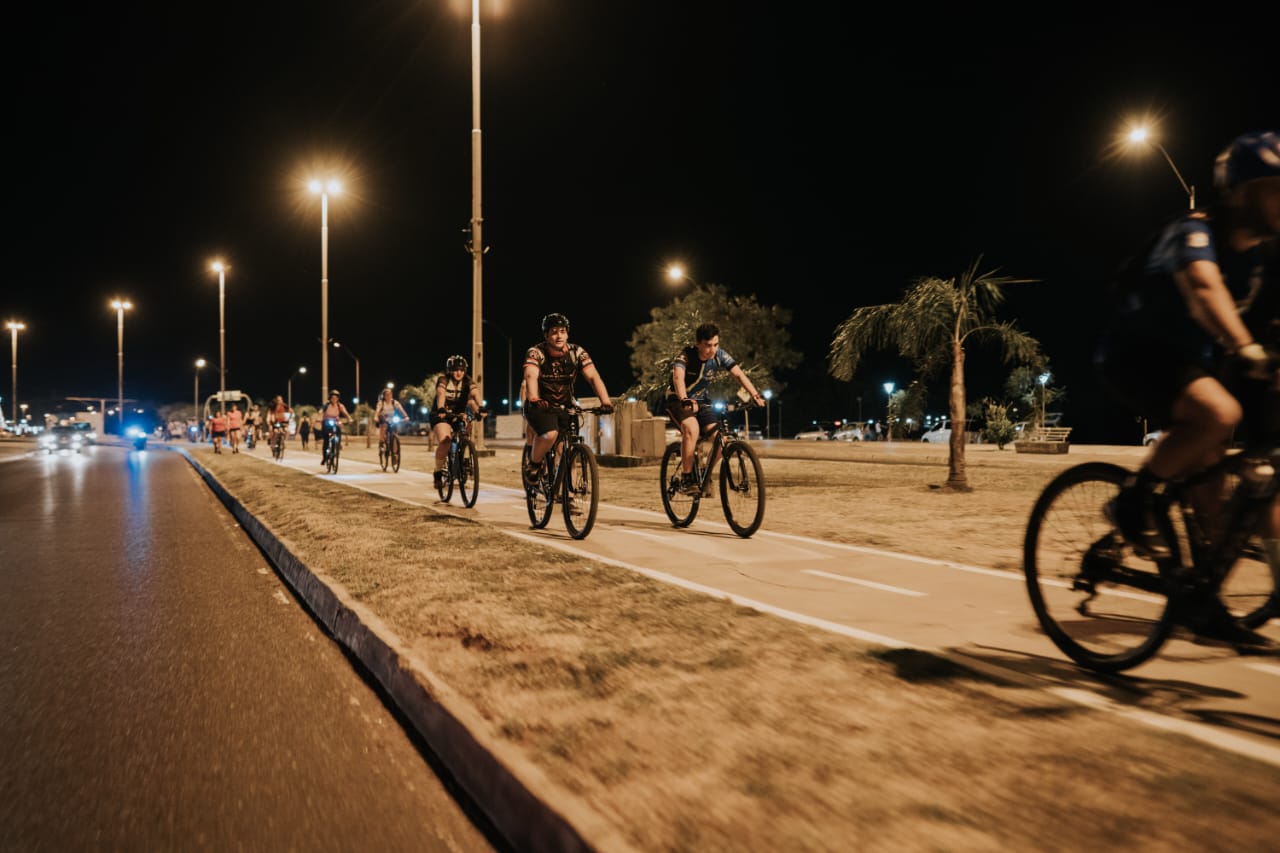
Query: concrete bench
(1044,440)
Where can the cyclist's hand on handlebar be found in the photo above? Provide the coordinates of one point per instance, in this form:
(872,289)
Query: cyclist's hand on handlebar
(1255,362)
(688,405)
(540,403)
(606,409)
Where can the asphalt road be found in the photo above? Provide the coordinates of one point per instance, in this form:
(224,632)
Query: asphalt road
(161,689)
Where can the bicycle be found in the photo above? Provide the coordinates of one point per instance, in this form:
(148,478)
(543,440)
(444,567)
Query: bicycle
(332,446)
(278,430)
(569,475)
(1109,608)
(389,447)
(462,465)
(742,490)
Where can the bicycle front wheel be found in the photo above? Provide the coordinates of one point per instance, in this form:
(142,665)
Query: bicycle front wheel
(395,454)
(538,497)
(581,490)
(384,454)
(333,458)
(467,472)
(680,508)
(1103,605)
(742,488)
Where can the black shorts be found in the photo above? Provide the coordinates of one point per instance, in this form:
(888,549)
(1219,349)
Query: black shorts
(546,420)
(705,416)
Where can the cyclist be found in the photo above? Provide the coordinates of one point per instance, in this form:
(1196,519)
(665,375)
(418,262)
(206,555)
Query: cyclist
(550,370)
(334,412)
(688,400)
(1177,317)
(235,422)
(388,407)
(455,394)
(278,413)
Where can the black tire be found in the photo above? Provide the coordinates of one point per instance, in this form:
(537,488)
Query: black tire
(395,453)
(540,496)
(467,473)
(384,454)
(277,447)
(581,490)
(445,489)
(334,454)
(1104,606)
(742,488)
(1249,590)
(682,509)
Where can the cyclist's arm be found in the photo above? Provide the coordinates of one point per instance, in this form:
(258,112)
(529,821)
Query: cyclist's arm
(592,375)
(1211,305)
(737,373)
(473,402)
(531,374)
(677,381)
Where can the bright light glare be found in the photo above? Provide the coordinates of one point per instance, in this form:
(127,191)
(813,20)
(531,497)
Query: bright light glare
(1138,134)
(217,266)
(121,304)
(675,273)
(200,362)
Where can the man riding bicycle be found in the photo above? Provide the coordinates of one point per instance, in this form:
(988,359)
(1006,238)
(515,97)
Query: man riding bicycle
(1187,307)
(335,414)
(550,370)
(388,408)
(688,401)
(455,394)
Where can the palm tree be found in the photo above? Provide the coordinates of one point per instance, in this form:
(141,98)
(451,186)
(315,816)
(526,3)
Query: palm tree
(931,326)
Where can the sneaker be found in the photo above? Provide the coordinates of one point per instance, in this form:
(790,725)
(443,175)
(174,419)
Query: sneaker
(532,471)
(1206,616)
(689,485)
(438,479)
(1133,512)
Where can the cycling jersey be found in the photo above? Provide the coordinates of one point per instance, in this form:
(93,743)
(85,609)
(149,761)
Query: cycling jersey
(386,411)
(456,393)
(698,374)
(557,373)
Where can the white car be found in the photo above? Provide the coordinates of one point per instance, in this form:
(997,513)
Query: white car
(813,435)
(940,434)
(849,433)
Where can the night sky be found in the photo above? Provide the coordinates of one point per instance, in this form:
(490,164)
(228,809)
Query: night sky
(796,152)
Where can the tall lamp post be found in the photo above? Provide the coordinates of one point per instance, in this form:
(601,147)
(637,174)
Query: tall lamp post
(195,402)
(301,370)
(476,246)
(1043,379)
(323,188)
(508,339)
(356,399)
(888,411)
(221,269)
(1139,135)
(768,398)
(121,306)
(14,327)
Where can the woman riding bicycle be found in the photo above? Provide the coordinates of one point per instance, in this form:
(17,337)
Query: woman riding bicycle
(455,394)
(1173,323)
(332,415)
(388,408)
(550,370)
(688,401)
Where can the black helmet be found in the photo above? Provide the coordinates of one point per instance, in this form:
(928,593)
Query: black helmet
(1249,156)
(455,362)
(550,321)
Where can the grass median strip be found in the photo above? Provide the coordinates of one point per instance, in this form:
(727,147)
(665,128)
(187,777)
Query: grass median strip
(690,722)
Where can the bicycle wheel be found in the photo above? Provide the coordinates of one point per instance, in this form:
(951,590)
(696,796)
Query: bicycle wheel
(1249,590)
(1104,606)
(581,490)
(333,457)
(680,508)
(742,488)
(539,497)
(467,472)
(384,454)
(395,453)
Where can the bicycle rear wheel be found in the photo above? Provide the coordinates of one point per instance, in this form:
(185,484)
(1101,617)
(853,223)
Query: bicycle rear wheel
(742,488)
(581,490)
(277,447)
(680,508)
(539,496)
(1104,606)
(467,472)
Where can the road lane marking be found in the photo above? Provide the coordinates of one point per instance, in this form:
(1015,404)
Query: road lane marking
(860,582)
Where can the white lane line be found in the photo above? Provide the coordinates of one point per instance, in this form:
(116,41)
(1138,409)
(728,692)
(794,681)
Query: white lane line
(1268,668)
(860,582)
(715,546)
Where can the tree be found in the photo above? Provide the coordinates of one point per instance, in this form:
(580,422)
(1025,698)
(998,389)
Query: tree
(756,336)
(930,327)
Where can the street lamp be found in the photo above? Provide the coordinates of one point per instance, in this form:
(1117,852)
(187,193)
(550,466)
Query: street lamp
(888,411)
(323,188)
(508,337)
(356,399)
(768,397)
(477,219)
(14,327)
(221,269)
(121,306)
(677,274)
(195,402)
(1139,135)
(301,370)
(1043,379)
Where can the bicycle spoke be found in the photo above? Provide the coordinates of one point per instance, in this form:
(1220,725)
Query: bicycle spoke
(680,507)
(742,488)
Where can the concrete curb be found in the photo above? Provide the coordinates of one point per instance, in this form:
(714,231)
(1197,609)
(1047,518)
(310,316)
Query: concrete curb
(499,780)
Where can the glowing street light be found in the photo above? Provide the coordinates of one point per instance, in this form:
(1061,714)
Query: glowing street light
(121,306)
(888,411)
(300,370)
(14,327)
(768,398)
(677,274)
(1140,135)
(323,189)
(195,402)
(221,269)
(1043,379)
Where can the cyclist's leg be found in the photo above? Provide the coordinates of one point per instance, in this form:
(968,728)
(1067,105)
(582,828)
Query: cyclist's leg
(443,434)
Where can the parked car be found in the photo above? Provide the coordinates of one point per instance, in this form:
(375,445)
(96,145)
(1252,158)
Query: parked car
(753,434)
(813,435)
(847,433)
(62,438)
(941,434)
(87,432)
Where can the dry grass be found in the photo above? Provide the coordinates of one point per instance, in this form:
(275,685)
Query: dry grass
(694,724)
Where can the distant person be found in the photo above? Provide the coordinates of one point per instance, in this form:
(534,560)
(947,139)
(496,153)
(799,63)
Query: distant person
(235,423)
(278,414)
(304,431)
(550,370)
(688,400)
(332,416)
(253,425)
(1176,322)
(388,407)
(455,394)
(217,430)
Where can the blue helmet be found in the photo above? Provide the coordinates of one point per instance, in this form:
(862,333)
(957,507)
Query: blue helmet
(1249,156)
